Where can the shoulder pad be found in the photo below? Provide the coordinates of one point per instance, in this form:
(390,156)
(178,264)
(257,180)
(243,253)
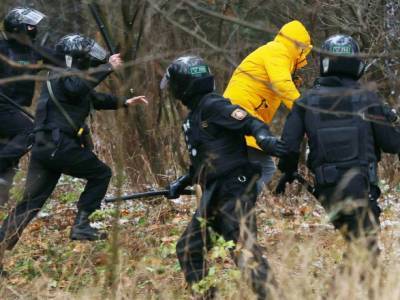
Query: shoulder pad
(214,104)
(210,99)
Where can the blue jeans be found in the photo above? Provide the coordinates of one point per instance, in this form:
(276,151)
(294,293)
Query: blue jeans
(267,166)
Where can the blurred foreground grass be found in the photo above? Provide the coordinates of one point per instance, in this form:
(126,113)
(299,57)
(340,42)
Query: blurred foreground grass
(305,253)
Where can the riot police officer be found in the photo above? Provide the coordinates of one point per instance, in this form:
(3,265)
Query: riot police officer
(347,127)
(20,26)
(61,138)
(215,135)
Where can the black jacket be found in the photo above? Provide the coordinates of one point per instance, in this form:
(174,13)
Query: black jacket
(77,97)
(214,133)
(21,91)
(344,123)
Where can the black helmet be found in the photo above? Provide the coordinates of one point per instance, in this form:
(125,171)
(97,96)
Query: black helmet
(17,20)
(343,61)
(188,76)
(80,51)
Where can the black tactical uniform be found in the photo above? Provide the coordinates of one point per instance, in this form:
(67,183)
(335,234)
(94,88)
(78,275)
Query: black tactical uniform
(214,133)
(16,127)
(347,126)
(61,148)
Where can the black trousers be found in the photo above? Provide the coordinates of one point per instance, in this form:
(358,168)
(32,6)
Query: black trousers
(48,161)
(15,131)
(227,207)
(353,206)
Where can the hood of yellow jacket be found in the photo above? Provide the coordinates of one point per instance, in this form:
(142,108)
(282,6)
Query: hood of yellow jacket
(297,40)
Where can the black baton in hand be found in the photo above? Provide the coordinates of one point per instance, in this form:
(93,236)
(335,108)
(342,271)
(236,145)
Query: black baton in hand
(148,194)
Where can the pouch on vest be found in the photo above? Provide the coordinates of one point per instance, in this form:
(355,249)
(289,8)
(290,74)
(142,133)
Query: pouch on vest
(327,175)
(338,144)
(47,138)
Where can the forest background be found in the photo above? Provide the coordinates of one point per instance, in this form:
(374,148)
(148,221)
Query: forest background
(146,150)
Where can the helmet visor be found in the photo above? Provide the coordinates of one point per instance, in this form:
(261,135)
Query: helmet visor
(31,17)
(164,81)
(98,52)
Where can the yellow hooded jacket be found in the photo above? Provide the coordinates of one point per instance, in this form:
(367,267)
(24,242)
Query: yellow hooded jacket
(264,78)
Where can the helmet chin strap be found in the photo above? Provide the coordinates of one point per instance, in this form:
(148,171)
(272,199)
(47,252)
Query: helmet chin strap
(78,63)
(68,61)
(325,65)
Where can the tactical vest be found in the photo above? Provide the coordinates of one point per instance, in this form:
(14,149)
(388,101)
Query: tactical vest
(339,138)
(214,150)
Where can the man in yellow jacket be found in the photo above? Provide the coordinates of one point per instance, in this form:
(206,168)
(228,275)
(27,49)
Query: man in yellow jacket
(263,81)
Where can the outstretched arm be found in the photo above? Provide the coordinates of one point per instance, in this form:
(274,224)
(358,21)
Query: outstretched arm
(102,101)
(293,134)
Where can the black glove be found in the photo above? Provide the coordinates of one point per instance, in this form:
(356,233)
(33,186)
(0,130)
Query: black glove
(273,146)
(281,187)
(176,187)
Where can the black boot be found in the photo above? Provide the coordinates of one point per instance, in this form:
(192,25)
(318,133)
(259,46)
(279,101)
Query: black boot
(82,230)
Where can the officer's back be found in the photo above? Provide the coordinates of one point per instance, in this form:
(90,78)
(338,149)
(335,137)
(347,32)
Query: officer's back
(338,133)
(346,123)
(347,127)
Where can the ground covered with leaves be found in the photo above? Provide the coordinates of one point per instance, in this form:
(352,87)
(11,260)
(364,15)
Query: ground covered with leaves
(139,262)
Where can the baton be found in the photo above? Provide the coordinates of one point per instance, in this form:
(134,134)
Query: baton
(103,30)
(148,194)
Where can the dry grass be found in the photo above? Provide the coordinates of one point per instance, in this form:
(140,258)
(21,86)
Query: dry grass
(305,253)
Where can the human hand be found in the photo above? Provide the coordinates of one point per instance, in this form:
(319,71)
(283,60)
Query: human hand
(115,60)
(137,100)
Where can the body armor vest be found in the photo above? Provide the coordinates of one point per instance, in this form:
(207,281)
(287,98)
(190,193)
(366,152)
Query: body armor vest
(339,138)
(213,150)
